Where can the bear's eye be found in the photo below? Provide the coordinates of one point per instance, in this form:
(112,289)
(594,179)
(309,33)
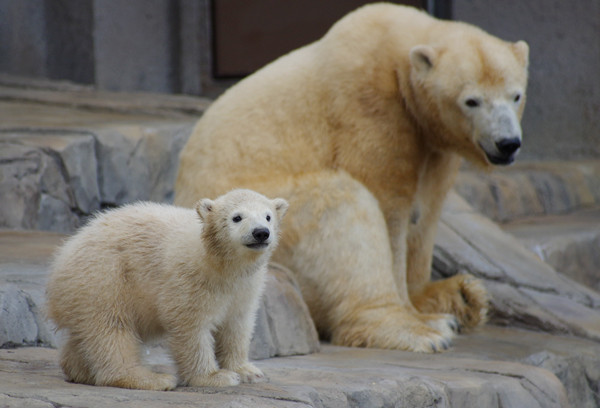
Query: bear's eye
(472,103)
(237,218)
(517,97)
(268,218)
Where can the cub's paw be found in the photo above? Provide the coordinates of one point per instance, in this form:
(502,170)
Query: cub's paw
(220,378)
(163,382)
(462,296)
(143,379)
(249,373)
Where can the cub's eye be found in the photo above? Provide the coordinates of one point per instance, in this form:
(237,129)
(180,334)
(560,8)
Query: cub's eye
(517,97)
(268,218)
(237,218)
(472,103)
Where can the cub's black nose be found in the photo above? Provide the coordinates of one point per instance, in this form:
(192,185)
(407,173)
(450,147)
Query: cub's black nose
(508,146)
(261,234)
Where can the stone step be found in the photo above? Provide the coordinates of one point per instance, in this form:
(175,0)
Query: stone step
(570,242)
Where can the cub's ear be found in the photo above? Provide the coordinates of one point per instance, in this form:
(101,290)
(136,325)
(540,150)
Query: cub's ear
(422,57)
(204,207)
(281,207)
(521,50)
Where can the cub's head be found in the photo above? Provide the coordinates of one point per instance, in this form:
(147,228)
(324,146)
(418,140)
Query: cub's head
(469,90)
(241,223)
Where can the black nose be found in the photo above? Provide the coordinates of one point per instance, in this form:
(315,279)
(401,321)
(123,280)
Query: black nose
(508,146)
(261,234)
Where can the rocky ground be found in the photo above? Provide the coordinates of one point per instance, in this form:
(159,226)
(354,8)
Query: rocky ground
(67,151)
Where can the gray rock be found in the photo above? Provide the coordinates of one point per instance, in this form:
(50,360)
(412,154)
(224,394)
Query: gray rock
(18,325)
(482,370)
(284,327)
(569,243)
(525,291)
(53,179)
(531,188)
(139,162)
(48,180)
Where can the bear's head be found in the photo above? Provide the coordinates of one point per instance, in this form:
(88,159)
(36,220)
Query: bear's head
(469,90)
(241,223)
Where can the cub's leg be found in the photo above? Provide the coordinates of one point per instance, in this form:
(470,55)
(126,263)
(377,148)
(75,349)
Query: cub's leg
(73,364)
(233,338)
(336,241)
(113,356)
(193,351)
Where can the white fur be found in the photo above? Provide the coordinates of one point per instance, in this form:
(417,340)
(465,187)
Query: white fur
(147,270)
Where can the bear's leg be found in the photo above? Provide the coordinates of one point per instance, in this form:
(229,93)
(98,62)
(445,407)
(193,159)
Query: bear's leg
(113,356)
(73,363)
(462,296)
(193,352)
(335,239)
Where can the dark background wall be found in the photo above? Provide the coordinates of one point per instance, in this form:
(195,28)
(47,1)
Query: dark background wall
(172,46)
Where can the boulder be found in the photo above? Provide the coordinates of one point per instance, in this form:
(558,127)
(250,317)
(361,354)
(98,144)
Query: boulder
(52,179)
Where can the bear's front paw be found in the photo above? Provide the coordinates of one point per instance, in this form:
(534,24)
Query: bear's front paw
(249,373)
(462,296)
(220,378)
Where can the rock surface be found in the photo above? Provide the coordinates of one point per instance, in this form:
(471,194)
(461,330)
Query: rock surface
(53,175)
(524,290)
(531,189)
(494,367)
(569,243)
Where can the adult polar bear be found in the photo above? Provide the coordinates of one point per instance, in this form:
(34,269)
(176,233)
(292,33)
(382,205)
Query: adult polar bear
(362,132)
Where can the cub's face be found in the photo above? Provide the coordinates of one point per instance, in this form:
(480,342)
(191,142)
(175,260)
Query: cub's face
(475,91)
(243,221)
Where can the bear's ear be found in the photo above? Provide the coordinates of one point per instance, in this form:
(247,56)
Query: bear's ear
(422,57)
(281,207)
(521,50)
(204,207)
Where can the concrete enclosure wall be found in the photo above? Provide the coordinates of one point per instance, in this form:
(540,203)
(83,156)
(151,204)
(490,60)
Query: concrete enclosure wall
(165,46)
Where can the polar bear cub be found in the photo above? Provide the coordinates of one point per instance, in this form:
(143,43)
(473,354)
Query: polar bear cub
(146,270)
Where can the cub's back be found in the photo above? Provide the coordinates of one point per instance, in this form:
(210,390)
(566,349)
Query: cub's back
(112,254)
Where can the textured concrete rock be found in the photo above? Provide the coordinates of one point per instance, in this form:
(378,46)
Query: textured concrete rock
(284,326)
(569,243)
(525,291)
(527,189)
(493,367)
(52,177)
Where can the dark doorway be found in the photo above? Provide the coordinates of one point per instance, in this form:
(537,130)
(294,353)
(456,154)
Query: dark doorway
(249,34)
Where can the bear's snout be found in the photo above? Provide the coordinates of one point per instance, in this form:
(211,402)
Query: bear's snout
(261,234)
(508,146)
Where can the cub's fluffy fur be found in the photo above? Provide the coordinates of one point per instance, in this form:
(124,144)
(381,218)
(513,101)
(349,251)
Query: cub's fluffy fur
(146,270)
